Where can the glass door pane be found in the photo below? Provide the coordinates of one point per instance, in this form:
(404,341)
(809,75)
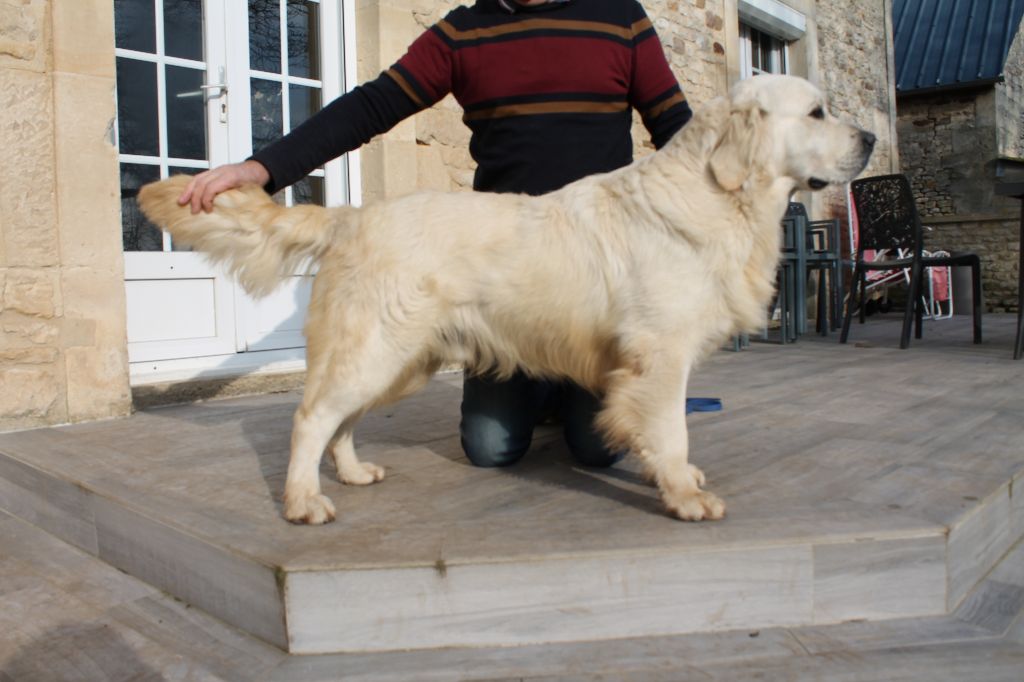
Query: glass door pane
(284,72)
(161,106)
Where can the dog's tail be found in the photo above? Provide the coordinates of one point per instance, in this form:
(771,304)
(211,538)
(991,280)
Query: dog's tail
(260,241)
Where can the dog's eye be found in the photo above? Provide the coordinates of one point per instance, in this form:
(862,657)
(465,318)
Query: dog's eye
(818,112)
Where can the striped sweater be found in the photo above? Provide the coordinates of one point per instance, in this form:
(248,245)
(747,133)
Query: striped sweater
(547,92)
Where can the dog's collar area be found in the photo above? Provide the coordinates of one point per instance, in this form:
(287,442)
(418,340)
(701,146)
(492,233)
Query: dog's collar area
(815,183)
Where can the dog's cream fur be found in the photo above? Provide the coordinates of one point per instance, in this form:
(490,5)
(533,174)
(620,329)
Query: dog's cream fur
(619,282)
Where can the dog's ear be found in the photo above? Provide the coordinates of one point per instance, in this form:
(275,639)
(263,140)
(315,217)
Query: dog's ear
(740,148)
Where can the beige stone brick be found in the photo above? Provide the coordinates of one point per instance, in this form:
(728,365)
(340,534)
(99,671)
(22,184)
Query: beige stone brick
(27,175)
(28,356)
(88,197)
(97,382)
(399,167)
(95,344)
(21,330)
(92,294)
(83,37)
(3,244)
(76,332)
(32,292)
(24,34)
(368,63)
(30,393)
(431,171)
(397,31)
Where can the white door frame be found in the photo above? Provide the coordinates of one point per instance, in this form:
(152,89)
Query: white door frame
(216,355)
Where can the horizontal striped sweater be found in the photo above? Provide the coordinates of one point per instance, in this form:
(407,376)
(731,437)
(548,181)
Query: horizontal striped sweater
(547,92)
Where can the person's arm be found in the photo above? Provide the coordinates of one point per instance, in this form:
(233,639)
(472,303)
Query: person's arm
(418,80)
(345,124)
(654,90)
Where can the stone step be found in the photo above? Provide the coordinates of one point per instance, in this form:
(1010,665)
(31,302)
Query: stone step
(68,616)
(829,520)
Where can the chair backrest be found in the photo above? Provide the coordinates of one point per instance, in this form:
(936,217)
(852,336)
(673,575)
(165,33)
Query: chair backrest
(795,210)
(822,235)
(793,223)
(886,215)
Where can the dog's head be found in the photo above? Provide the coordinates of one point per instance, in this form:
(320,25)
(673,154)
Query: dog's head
(778,127)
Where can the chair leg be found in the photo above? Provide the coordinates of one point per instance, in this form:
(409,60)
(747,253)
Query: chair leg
(839,293)
(918,305)
(912,305)
(863,310)
(848,313)
(821,324)
(977,303)
(783,303)
(833,287)
(792,330)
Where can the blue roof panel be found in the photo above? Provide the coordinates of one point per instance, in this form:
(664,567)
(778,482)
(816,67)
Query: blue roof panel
(943,43)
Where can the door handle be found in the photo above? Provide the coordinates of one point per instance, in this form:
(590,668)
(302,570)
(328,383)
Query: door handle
(216,86)
(221,87)
(204,89)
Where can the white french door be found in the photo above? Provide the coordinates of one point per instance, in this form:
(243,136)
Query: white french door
(201,83)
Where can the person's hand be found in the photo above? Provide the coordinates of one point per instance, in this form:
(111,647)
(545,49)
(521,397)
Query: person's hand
(205,187)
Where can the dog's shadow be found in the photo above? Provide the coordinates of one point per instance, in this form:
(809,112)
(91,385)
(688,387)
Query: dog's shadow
(431,436)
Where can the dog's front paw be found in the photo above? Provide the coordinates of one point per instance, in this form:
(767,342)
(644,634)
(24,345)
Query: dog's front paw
(696,506)
(364,474)
(312,509)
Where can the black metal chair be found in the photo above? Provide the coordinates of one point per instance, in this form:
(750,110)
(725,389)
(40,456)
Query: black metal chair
(887,220)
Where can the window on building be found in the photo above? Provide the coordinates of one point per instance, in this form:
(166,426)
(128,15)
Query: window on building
(761,52)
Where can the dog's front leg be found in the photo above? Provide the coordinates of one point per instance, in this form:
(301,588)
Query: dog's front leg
(645,411)
(679,482)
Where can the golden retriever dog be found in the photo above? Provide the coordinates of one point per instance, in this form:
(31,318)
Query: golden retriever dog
(620,281)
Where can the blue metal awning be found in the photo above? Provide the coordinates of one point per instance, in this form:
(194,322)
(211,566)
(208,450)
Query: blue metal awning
(952,43)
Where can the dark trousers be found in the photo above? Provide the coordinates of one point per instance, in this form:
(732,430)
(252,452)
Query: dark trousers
(498,418)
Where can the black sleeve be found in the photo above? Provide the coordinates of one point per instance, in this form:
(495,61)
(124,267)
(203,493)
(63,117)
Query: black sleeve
(343,125)
(666,124)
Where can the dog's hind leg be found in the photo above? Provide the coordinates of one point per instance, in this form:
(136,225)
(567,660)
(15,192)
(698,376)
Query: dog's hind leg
(645,411)
(350,470)
(342,384)
(314,423)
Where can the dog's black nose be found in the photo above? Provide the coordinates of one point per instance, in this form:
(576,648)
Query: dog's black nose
(867,140)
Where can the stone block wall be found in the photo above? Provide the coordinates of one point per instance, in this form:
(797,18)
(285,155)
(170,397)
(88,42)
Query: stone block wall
(996,241)
(843,44)
(946,141)
(62,348)
(854,59)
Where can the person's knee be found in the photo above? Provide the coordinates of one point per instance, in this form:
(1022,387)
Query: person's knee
(498,418)
(487,443)
(585,443)
(588,448)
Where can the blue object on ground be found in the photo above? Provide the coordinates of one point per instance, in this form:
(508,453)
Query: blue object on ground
(703,405)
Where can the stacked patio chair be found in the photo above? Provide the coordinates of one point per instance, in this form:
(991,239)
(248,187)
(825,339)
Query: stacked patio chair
(820,254)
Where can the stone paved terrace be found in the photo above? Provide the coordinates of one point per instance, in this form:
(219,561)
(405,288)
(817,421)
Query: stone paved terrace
(866,485)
